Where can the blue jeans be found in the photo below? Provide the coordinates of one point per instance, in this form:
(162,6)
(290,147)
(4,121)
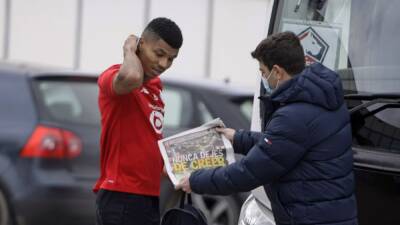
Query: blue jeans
(118,208)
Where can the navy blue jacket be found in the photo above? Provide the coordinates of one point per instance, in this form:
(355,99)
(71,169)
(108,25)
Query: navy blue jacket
(303,159)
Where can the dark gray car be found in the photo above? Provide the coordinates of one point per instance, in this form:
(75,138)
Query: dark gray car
(49,143)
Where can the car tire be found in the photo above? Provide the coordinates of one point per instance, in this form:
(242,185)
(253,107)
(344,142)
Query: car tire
(5,215)
(219,210)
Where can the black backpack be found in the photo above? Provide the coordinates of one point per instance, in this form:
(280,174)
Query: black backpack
(186,214)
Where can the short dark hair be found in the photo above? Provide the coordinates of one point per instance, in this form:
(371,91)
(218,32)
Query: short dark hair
(282,49)
(167,30)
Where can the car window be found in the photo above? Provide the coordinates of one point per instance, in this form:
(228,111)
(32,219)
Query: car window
(178,107)
(70,101)
(377,131)
(362,50)
(246,107)
(205,114)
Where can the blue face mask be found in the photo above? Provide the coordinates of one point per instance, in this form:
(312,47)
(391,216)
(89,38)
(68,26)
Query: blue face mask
(268,88)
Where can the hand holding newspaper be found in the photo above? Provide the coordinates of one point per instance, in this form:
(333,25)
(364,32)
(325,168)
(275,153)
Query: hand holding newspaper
(198,148)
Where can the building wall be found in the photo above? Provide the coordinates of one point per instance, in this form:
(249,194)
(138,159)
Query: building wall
(42,31)
(88,34)
(191,16)
(106,25)
(2,27)
(239,26)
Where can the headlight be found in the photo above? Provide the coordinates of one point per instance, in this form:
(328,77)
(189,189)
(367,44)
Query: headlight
(253,213)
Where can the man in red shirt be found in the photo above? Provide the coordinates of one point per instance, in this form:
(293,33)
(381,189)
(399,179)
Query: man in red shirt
(132,117)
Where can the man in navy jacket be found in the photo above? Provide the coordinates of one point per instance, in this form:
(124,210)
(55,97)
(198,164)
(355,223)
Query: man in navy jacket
(303,158)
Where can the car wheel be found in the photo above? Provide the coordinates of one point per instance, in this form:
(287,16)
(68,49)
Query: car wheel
(219,210)
(5,218)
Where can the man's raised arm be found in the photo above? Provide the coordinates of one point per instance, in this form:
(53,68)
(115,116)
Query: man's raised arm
(130,75)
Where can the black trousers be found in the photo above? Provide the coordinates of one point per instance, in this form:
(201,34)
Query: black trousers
(118,208)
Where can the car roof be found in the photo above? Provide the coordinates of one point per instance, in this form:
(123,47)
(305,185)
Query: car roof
(209,85)
(37,71)
(40,71)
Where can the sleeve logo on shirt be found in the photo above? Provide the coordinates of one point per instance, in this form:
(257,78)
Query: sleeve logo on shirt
(156,120)
(267,141)
(144,90)
(155,97)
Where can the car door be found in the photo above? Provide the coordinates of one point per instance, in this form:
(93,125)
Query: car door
(183,110)
(376,143)
(188,106)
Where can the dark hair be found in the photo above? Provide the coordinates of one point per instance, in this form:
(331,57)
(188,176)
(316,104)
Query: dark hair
(282,49)
(167,30)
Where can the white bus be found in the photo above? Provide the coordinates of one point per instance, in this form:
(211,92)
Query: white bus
(359,39)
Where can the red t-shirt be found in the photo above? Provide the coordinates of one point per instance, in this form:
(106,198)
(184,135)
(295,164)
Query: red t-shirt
(131,126)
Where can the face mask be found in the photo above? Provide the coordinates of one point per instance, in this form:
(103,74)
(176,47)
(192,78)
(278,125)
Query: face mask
(268,88)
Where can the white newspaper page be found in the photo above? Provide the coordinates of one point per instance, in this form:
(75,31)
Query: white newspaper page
(199,148)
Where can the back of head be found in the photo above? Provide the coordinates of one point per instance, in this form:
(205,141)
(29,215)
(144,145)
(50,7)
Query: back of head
(165,29)
(282,49)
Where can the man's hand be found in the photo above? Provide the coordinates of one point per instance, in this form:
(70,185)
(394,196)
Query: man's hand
(130,75)
(184,184)
(131,45)
(164,171)
(229,133)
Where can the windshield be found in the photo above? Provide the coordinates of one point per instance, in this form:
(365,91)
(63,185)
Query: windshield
(356,38)
(359,40)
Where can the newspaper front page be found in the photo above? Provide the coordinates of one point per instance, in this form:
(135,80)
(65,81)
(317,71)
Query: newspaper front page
(198,148)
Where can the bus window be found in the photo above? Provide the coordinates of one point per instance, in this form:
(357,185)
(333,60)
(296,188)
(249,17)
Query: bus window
(359,40)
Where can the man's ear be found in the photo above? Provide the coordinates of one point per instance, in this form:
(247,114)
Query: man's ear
(278,72)
(281,73)
(141,41)
(139,45)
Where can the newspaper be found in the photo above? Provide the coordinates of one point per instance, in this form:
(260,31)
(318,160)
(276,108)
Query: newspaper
(194,149)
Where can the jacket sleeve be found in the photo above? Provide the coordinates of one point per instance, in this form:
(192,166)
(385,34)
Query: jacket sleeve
(243,141)
(276,153)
